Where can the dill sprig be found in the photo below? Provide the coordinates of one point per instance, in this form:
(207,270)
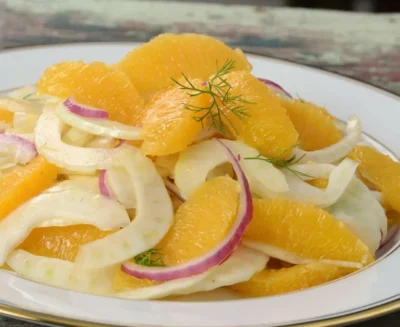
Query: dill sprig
(150,258)
(222,100)
(28,96)
(278,161)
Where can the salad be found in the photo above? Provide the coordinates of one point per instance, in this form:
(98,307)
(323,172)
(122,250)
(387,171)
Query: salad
(177,171)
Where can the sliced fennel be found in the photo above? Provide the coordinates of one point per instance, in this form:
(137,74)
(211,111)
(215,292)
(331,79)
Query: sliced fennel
(71,205)
(283,255)
(59,273)
(153,220)
(49,144)
(103,142)
(24,123)
(336,151)
(313,170)
(362,213)
(100,127)
(74,136)
(339,179)
(197,161)
(18,105)
(230,272)
(123,192)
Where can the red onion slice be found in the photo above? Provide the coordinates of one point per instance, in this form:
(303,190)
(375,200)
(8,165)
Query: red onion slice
(24,149)
(173,189)
(102,184)
(219,253)
(83,110)
(276,88)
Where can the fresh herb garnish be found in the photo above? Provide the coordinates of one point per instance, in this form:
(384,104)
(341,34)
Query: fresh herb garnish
(150,258)
(278,161)
(26,97)
(222,100)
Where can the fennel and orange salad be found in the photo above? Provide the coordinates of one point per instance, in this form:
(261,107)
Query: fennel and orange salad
(177,171)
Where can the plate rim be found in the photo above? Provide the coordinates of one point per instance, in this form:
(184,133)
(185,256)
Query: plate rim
(43,318)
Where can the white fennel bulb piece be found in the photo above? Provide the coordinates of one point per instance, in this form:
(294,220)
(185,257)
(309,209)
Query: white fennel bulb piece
(121,190)
(24,123)
(49,144)
(59,273)
(74,136)
(103,142)
(19,105)
(230,272)
(336,151)
(66,206)
(362,213)
(98,126)
(312,170)
(153,219)
(197,161)
(283,255)
(339,179)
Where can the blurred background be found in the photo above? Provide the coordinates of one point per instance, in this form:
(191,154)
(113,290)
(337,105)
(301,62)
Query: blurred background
(354,5)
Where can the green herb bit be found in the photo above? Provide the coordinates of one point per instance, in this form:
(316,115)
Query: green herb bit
(221,98)
(278,161)
(26,97)
(150,258)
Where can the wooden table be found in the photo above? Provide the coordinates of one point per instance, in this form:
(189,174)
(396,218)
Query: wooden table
(363,46)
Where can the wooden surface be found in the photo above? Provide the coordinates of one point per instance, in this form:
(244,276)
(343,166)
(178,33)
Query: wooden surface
(364,46)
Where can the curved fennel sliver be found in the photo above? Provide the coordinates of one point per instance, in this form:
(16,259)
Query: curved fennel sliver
(283,255)
(336,151)
(124,192)
(75,206)
(49,144)
(100,127)
(239,267)
(362,213)
(19,105)
(313,170)
(195,163)
(153,219)
(339,179)
(59,273)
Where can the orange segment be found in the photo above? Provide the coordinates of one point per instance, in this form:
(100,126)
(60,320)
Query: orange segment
(393,218)
(6,116)
(200,224)
(319,182)
(96,85)
(279,281)
(305,231)
(381,171)
(316,128)
(61,242)
(169,127)
(268,127)
(25,182)
(151,66)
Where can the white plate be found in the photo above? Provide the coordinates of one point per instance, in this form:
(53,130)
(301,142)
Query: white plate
(372,287)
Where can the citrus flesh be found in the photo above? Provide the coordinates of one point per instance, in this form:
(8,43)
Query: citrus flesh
(315,127)
(304,230)
(96,85)
(152,66)
(61,242)
(285,280)
(25,182)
